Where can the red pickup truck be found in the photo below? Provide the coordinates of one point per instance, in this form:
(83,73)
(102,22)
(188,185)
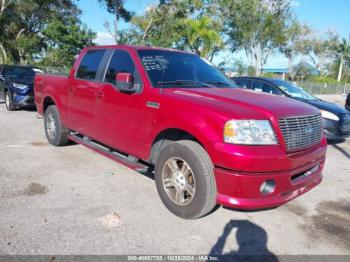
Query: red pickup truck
(209,142)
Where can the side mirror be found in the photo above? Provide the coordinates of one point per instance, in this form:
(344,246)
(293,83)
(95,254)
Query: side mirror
(125,82)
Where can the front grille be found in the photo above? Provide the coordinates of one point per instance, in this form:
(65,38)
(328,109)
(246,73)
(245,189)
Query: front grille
(301,132)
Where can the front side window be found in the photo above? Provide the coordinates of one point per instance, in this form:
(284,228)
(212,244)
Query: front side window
(121,62)
(171,68)
(89,65)
(266,88)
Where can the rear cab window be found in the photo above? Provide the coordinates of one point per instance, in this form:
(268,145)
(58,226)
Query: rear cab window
(89,64)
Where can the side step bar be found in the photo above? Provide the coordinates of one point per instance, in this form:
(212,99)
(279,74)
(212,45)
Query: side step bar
(127,160)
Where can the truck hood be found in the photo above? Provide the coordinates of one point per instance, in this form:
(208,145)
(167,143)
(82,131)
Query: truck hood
(243,103)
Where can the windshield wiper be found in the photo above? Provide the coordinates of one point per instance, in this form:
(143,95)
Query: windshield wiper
(185,82)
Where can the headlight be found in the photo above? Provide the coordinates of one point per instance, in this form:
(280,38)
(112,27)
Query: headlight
(249,132)
(19,86)
(329,115)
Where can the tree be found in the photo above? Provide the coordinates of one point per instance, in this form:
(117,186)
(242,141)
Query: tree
(256,26)
(64,40)
(296,44)
(116,7)
(182,24)
(321,51)
(343,56)
(22,39)
(4,5)
(202,36)
(24,20)
(164,24)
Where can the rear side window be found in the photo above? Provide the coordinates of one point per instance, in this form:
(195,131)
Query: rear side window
(89,65)
(243,82)
(121,62)
(266,88)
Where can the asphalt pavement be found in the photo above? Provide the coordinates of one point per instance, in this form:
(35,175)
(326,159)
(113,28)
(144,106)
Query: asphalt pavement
(71,200)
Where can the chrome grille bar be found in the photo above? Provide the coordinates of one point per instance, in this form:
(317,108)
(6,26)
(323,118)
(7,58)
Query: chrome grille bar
(301,132)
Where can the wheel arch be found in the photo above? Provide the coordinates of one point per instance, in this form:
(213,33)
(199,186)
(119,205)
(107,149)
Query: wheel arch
(169,135)
(48,101)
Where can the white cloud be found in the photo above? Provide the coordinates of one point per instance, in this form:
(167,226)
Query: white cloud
(295,3)
(104,38)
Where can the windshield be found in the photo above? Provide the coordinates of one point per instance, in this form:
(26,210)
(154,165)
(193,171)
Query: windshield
(169,68)
(22,72)
(292,90)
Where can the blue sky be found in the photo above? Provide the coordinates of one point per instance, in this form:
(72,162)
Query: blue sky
(322,15)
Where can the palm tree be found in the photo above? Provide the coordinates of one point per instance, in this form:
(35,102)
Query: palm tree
(343,53)
(203,37)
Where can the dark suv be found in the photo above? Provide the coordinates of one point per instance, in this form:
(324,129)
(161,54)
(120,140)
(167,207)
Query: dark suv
(336,119)
(16,85)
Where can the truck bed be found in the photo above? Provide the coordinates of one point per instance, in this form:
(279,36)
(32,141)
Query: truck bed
(53,84)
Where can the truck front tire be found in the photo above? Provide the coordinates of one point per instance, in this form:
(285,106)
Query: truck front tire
(185,181)
(56,133)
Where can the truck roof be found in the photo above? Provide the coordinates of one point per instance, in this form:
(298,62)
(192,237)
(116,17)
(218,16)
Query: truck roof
(135,47)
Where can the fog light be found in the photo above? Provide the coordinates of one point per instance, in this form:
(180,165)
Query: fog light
(267,187)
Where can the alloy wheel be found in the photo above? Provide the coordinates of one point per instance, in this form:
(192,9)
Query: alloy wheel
(178,181)
(51,126)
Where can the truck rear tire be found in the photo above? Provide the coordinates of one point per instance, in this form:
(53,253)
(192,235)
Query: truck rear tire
(185,181)
(56,133)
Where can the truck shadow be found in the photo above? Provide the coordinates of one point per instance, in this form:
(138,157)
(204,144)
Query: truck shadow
(149,173)
(342,150)
(251,239)
(334,143)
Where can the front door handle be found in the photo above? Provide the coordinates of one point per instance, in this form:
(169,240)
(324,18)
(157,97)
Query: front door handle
(99,94)
(71,90)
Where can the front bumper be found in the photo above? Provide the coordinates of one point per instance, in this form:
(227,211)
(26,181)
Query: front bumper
(243,190)
(24,101)
(337,129)
(240,172)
